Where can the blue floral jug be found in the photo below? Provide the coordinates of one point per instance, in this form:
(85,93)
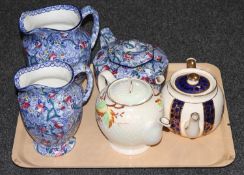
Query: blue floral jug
(51,104)
(55,33)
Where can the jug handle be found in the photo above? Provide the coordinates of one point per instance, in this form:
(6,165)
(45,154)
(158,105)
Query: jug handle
(89,85)
(104,79)
(88,10)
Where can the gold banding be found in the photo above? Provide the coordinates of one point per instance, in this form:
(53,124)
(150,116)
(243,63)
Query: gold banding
(191,63)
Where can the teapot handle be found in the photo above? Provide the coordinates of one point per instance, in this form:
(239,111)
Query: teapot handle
(104,79)
(165,122)
(87,92)
(106,37)
(88,10)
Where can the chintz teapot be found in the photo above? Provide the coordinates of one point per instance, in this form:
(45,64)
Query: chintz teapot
(128,113)
(51,104)
(131,58)
(193,101)
(55,33)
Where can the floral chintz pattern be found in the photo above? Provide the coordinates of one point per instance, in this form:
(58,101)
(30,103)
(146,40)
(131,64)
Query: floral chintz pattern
(51,118)
(105,114)
(130,59)
(71,46)
(51,115)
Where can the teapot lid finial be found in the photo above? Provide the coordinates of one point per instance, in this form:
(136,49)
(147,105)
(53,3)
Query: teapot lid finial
(191,62)
(192,78)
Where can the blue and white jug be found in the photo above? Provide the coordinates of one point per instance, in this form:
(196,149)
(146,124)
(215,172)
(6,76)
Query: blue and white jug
(51,104)
(55,33)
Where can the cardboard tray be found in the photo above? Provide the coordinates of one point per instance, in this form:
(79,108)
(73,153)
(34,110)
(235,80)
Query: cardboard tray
(92,150)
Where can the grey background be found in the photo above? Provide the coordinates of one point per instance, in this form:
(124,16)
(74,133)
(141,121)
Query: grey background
(211,31)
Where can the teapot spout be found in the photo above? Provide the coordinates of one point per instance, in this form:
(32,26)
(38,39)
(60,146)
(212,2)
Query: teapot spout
(192,128)
(107,38)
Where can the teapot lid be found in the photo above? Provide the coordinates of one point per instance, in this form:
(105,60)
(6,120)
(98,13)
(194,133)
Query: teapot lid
(193,81)
(131,53)
(183,85)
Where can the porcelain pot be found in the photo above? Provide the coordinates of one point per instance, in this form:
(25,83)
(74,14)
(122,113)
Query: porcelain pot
(51,105)
(128,113)
(193,101)
(131,58)
(55,33)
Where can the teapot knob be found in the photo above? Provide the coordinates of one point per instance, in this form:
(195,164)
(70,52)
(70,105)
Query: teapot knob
(192,78)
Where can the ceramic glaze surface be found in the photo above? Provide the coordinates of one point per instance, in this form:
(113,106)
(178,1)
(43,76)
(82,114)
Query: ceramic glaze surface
(51,115)
(175,115)
(209,116)
(130,127)
(54,33)
(201,86)
(131,58)
(193,109)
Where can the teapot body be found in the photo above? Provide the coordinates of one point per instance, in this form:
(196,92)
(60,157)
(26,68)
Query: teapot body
(131,58)
(54,33)
(128,113)
(194,102)
(51,115)
(130,129)
(180,112)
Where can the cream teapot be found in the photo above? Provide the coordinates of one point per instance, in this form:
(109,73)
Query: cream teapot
(193,101)
(128,113)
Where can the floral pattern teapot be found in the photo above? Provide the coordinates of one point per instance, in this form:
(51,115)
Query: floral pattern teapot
(131,58)
(55,33)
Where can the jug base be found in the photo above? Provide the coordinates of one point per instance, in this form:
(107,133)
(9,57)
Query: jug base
(55,151)
(129,150)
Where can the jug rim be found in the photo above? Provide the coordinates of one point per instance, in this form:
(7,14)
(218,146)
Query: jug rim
(49,9)
(39,66)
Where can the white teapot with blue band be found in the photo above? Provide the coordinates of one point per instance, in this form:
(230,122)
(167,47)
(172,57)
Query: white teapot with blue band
(193,101)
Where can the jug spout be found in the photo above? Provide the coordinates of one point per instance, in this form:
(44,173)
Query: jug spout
(58,18)
(107,38)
